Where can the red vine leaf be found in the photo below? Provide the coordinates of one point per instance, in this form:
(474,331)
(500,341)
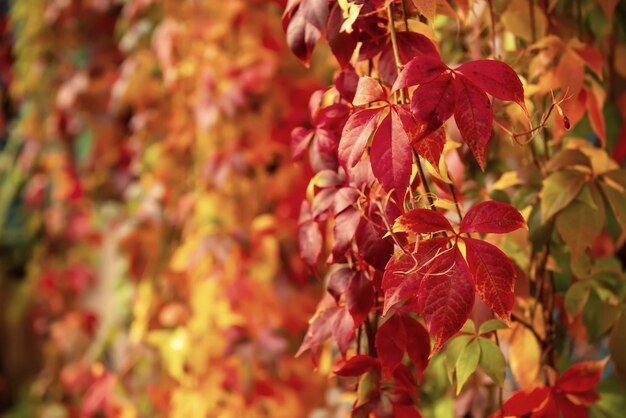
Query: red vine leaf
(496,78)
(402,334)
(492,217)
(446,296)
(356,132)
(358,365)
(473,117)
(431,147)
(368,90)
(420,69)
(309,236)
(423,221)
(433,103)
(494,275)
(333,321)
(391,156)
(402,276)
(359,298)
(301,35)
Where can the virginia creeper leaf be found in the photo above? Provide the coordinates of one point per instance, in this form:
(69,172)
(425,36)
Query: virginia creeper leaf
(315,12)
(309,236)
(473,117)
(466,364)
(446,296)
(433,102)
(359,298)
(491,325)
(579,225)
(521,403)
(420,69)
(423,221)
(301,36)
(496,78)
(559,189)
(375,249)
(581,377)
(494,275)
(356,132)
(431,147)
(391,155)
(367,91)
(341,43)
(402,276)
(391,343)
(357,365)
(492,360)
(492,217)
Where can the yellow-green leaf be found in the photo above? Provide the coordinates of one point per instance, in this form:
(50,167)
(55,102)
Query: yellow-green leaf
(466,364)
(492,360)
(559,189)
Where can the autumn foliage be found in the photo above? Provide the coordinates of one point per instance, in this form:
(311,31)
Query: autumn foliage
(314,208)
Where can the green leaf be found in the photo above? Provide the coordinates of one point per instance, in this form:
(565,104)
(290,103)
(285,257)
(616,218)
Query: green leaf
(578,225)
(559,189)
(454,347)
(368,388)
(466,364)
(617,344)
(469,327)
(491,325)
(567,158)
(598,317)
(492,360)
(615,193)
(576,297)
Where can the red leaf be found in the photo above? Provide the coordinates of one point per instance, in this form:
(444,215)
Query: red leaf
(391,156)
(338,282)
(346,224)
(446,296)
(420,69)
(315,12)
(521,403)
(301,36)
(402,276)
(359,298)
(431,146)
(321,328)
(344,330)
(341,43)
(390,343)
(358,365)
(569,409)
(309,236)
(368,90)
(402,334)
(492,217)
(405,411)
(397,283)
(473,117)
(369,238)
(346,82)
(404,380)
(424,221)
(496,78)
(433,103)
(581,377)
(410,45)
(494,275)
(300,140)
(417,344)
(356,132)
